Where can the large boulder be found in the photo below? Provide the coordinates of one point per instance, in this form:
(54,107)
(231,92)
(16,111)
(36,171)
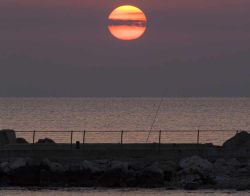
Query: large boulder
(169,168)
(226,167)
(80,176)
(87,173)
(52,174)
(196,164)
(221,167)
(21,172)
(7,136)
(115,176)
(53,166)
(151,176)
(240,140)
(194,172)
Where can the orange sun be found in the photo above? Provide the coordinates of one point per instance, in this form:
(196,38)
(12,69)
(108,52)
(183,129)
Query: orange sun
(127,22)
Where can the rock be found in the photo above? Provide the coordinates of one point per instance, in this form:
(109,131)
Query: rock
(7,137)
(248,166)
(196,164)
(52,174)
(80,176)
(53,166)
(243,172)
(96,167)
(51,179)
(21,141)
(223,181)
(226,167)
(233,163)
(195,170)
(17,164)
(150,177)
(221,167)
(22,172)
(169,168)
(4,167)
(227,182)
(115,176)
(45,141)
(121,174)
(240,140)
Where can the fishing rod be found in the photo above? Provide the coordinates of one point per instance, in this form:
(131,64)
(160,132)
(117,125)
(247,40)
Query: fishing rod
(156,114)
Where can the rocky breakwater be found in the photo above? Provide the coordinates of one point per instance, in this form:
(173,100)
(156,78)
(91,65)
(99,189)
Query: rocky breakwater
(190,173)
(99,173)
(229,169)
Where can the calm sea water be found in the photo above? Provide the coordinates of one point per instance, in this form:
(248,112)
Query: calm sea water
(79,192)
(103,114)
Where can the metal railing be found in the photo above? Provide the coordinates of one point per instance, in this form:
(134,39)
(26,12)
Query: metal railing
(133,136)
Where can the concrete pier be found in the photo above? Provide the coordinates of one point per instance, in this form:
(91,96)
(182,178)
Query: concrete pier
(69,152)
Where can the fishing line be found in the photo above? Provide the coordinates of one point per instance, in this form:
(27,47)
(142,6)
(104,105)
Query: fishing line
(156,114)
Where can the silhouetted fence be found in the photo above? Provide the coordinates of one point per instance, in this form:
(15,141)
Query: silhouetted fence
(216,137)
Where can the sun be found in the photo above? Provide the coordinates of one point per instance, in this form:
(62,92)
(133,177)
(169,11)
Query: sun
(127,22)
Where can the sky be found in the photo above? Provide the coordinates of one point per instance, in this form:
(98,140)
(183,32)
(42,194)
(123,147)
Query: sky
(63,48)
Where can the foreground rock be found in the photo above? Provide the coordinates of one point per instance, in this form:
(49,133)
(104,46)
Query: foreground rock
(27,172)
(190,173)
(195,172)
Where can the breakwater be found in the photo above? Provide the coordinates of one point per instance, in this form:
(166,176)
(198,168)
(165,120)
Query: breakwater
(173,166)
(189,173)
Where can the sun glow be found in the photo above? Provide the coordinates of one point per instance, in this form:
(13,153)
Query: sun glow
(127,22)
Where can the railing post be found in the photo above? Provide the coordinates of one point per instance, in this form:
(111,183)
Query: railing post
(160,137)
(71,138)
(122,137)
(198,137)
(159,146)
(83,137)
(34,135)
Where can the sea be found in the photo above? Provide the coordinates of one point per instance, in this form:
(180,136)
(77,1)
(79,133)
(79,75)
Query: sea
(180,120)
(104,119)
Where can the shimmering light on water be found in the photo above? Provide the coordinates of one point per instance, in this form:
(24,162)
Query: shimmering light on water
(127,114)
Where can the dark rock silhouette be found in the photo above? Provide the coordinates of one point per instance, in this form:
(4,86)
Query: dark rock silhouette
(46,141)
(7,136)
(240,140)
(20,140)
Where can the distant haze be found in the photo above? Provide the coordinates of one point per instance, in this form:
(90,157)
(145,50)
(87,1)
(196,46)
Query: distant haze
(63,48)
